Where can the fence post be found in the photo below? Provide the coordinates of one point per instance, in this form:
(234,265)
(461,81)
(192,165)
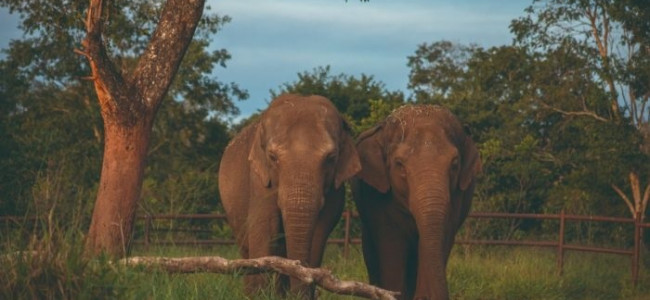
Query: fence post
(637,248)
(346,239)
(560,245)
(147,228)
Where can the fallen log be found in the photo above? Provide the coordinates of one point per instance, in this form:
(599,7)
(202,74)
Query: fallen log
(215,264)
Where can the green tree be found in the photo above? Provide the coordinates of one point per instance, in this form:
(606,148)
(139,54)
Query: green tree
(351,95)
(606,45)
(53,118)
(486,89)
(535,157)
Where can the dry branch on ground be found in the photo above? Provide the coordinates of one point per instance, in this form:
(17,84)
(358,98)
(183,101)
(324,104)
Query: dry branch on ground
(215,264)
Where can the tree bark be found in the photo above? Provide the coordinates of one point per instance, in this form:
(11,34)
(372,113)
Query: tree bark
(293,268)
(128,106)
(123,166)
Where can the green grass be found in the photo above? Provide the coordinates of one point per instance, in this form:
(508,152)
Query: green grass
(477,273)
(525,273)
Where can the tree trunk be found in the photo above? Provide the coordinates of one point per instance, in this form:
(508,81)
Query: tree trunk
(129,105)
(123,166)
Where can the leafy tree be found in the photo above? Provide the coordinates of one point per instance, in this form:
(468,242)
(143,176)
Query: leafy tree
(604,43)
(351,95)
(535,157)
(486,89)
(55,94)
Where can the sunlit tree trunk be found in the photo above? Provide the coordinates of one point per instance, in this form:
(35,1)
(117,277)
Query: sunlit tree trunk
(128,104)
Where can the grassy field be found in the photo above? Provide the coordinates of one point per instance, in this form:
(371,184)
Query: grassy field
(476,273)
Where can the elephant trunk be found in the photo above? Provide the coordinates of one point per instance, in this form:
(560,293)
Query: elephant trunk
(300,203)
(430,207)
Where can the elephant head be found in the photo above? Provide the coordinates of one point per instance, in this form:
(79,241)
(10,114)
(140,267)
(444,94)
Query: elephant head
(421,158)
(302,151)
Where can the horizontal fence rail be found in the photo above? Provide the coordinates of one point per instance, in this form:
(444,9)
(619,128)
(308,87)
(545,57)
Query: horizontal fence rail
(347,240)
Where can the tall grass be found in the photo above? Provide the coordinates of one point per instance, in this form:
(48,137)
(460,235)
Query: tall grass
(60,272)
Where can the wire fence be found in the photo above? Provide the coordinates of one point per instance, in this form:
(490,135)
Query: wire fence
(147,233)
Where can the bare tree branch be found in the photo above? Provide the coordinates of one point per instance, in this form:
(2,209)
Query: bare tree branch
(625,198)
(575,113)
(215,264)
(592,15)
(602,44)
(636,189)
(646,197)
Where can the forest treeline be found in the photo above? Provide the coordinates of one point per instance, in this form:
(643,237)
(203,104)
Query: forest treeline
(560,115)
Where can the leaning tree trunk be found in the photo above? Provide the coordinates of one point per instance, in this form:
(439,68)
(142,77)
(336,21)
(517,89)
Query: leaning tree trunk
(129,104)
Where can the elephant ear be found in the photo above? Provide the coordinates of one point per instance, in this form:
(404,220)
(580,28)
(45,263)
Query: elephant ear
(373,161)
(257,158)
(348,163)
(471,164)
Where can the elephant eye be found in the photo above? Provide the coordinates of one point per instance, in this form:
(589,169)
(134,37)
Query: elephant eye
(455,165)
(273,157)
(399,166)
(331,157)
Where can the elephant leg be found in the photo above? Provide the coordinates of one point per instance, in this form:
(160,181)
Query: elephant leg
(393,251)
(370,255)
(243,248)
(264,239)
(327,220)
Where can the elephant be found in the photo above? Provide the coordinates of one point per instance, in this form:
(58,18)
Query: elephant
(413,192)
(281,184)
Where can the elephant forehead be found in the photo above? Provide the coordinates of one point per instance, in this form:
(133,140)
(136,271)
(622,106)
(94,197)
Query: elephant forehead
(424,140)
(314,105)
(300,138)
(426,110)
(427,146)
(413,115)
(314,117)
(316,138)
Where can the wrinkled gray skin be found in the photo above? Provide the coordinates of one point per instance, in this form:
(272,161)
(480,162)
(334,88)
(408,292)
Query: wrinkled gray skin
(413,193)
(280,182)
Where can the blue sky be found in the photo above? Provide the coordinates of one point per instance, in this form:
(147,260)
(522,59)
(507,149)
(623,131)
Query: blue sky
(271,41)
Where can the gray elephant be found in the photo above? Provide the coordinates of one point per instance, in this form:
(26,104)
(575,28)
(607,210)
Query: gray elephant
(281,183)
(413,193)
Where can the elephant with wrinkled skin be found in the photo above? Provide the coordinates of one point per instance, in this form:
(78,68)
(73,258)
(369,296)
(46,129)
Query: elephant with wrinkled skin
(281,183)
(413,193)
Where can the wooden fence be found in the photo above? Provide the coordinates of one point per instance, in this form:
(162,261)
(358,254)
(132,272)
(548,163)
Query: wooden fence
(559,244)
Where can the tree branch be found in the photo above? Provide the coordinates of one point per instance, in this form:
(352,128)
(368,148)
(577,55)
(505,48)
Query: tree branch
(160,61)
(646,197)
(575,113)
(214,264)
(110,86)
(625,198)
(592,16)
(602,44)
(636,189)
